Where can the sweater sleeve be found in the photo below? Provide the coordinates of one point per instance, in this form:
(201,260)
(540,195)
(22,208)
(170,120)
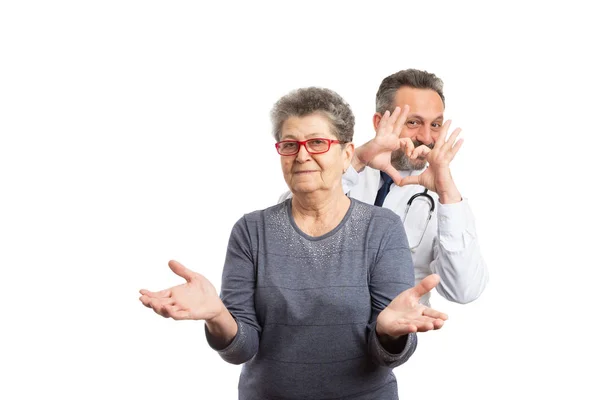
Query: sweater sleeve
(237,293)
(391,274)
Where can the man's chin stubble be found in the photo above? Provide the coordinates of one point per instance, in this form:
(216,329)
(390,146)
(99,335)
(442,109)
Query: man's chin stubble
(403,163)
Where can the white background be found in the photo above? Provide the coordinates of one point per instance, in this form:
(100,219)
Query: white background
(123,123)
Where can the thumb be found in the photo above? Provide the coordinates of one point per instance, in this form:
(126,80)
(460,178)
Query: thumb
(180,270)
(427,284)
(409,180)
(393,173)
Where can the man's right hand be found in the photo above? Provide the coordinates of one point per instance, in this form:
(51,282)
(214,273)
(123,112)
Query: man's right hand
(377,152)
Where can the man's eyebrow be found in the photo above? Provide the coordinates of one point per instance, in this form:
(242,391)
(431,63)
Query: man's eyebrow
(414,116)
(417,116)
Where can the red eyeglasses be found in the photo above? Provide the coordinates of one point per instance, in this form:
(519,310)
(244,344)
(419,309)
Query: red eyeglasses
(312,146)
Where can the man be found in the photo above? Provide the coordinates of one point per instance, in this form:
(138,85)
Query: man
(410,148)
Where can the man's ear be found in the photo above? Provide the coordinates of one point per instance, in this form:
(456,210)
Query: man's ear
(376,120)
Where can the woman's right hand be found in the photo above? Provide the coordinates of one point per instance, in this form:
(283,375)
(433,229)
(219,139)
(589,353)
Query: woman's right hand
(195,299)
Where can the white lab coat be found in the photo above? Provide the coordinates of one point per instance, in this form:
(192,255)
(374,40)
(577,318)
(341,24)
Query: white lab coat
(449,247)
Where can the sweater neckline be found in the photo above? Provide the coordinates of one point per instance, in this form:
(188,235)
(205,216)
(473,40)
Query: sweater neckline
(326,235)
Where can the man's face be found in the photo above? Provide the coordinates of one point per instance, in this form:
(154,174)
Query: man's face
(422,126)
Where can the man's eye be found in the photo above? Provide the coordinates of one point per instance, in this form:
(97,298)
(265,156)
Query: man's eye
(436,125)
(412,123)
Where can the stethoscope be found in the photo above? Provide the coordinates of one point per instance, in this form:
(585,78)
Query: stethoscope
(428,197)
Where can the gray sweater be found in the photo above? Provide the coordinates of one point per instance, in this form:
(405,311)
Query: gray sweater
(306,307)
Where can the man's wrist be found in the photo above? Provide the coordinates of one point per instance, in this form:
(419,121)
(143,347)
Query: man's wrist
(358,164)
(450,197)
(445,188)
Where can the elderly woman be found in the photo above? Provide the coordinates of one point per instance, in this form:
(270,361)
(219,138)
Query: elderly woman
(317,296)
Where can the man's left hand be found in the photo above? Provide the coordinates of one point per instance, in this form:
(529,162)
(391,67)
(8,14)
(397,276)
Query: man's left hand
(437,176)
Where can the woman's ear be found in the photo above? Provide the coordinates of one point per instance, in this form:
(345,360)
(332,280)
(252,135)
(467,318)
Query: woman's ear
(348,154)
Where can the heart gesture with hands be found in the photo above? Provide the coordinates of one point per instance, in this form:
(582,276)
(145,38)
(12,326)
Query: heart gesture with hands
(377,153)
(437,176)
(406,315)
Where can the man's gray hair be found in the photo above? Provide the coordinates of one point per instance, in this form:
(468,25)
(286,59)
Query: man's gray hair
(314,100)
(414,78)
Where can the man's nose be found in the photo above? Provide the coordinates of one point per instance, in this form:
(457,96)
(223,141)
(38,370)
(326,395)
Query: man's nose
(425,135)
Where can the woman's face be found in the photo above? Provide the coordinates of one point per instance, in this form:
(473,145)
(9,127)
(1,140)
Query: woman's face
(307,173)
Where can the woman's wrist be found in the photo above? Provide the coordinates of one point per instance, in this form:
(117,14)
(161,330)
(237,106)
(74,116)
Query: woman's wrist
(222,327)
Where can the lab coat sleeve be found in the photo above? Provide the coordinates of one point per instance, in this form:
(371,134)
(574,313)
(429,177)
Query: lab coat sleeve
(457,257)
(284,197)
(349,179)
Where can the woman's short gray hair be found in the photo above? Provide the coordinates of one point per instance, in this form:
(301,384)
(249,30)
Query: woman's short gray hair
(414,78)
(311,100)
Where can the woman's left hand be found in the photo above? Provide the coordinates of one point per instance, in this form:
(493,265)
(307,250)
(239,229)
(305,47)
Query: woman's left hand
(406,315)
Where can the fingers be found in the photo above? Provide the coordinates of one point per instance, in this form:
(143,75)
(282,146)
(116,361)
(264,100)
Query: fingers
(161,294)
(443,132)
(179,314)
(175,312)
(423,324)
(409,180)
(401,327)
(441,140)
(395,114)
(426,285)
(420,152)
(453,137)
(456,147)
(393,173)
(438,323)
(399,119)
(180,270)
(415,323)
(430,312)
(393,122)
(153,302)
(165,307)
(147,301)
(407,146)
(429,325)
(450,142)
(434,324)
(383,123)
